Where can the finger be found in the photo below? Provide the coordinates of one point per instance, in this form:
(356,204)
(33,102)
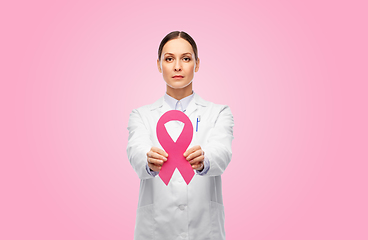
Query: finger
(192,149)
(155,161)
(198,166)
(197,160)
(159,151)
(156,155)
(154,167)
(195,154)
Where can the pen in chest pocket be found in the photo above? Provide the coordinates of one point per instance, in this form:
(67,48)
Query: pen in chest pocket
(198,120)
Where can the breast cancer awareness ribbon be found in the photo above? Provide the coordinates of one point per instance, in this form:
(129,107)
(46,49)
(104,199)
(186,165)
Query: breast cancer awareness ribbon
(175,150)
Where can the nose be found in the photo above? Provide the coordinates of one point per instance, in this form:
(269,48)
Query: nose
(177,66)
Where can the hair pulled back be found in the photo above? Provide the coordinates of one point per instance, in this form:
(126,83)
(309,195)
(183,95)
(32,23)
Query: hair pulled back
(175,35)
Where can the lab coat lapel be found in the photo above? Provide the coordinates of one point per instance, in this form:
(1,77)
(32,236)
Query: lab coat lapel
(192,107)
(195,105)
(164,108)
(160,106)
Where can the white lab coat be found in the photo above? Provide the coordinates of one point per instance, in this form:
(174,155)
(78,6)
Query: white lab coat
(178,210)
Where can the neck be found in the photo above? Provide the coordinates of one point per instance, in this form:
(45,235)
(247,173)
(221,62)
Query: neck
(179,93)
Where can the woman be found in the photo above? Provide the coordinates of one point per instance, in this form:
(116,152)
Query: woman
(177,210)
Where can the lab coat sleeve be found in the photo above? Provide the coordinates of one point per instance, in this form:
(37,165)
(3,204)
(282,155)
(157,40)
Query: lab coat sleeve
(218,147)
(151,172)
(206,167)
(139,144)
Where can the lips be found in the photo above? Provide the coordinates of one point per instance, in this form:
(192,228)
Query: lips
(177,77)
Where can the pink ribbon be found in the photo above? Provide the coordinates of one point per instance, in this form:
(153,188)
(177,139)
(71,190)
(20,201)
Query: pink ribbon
(175,150)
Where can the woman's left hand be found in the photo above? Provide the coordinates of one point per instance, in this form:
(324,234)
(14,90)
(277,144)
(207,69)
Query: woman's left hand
(195,156)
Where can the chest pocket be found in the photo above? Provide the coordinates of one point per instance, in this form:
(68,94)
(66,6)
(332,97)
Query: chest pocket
(202,129)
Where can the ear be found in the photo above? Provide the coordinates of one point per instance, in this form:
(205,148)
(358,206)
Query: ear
(158,66)
(197,65)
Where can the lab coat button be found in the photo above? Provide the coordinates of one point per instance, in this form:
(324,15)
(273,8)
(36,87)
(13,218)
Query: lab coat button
(183,235)
(182,207)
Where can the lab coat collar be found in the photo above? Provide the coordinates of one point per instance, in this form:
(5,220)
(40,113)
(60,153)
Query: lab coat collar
(192,107)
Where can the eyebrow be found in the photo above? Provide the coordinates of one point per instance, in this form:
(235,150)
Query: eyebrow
(182,54)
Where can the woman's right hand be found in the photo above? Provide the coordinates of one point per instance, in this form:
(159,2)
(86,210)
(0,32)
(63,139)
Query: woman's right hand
(156,158)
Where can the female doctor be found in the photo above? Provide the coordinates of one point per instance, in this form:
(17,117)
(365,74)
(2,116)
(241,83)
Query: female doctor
(177,210)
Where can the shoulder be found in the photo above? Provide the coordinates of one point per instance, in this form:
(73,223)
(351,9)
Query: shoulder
(211,106)
(219,115)
(149,107)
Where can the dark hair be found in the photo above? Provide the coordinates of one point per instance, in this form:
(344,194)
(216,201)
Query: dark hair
(175,35)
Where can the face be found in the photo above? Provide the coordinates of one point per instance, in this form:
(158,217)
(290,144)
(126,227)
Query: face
(177,63)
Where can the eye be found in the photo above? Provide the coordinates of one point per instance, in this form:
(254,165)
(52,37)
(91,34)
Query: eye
(187,59)
(168,59)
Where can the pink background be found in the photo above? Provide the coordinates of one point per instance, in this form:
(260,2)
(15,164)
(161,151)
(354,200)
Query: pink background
(294,75)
